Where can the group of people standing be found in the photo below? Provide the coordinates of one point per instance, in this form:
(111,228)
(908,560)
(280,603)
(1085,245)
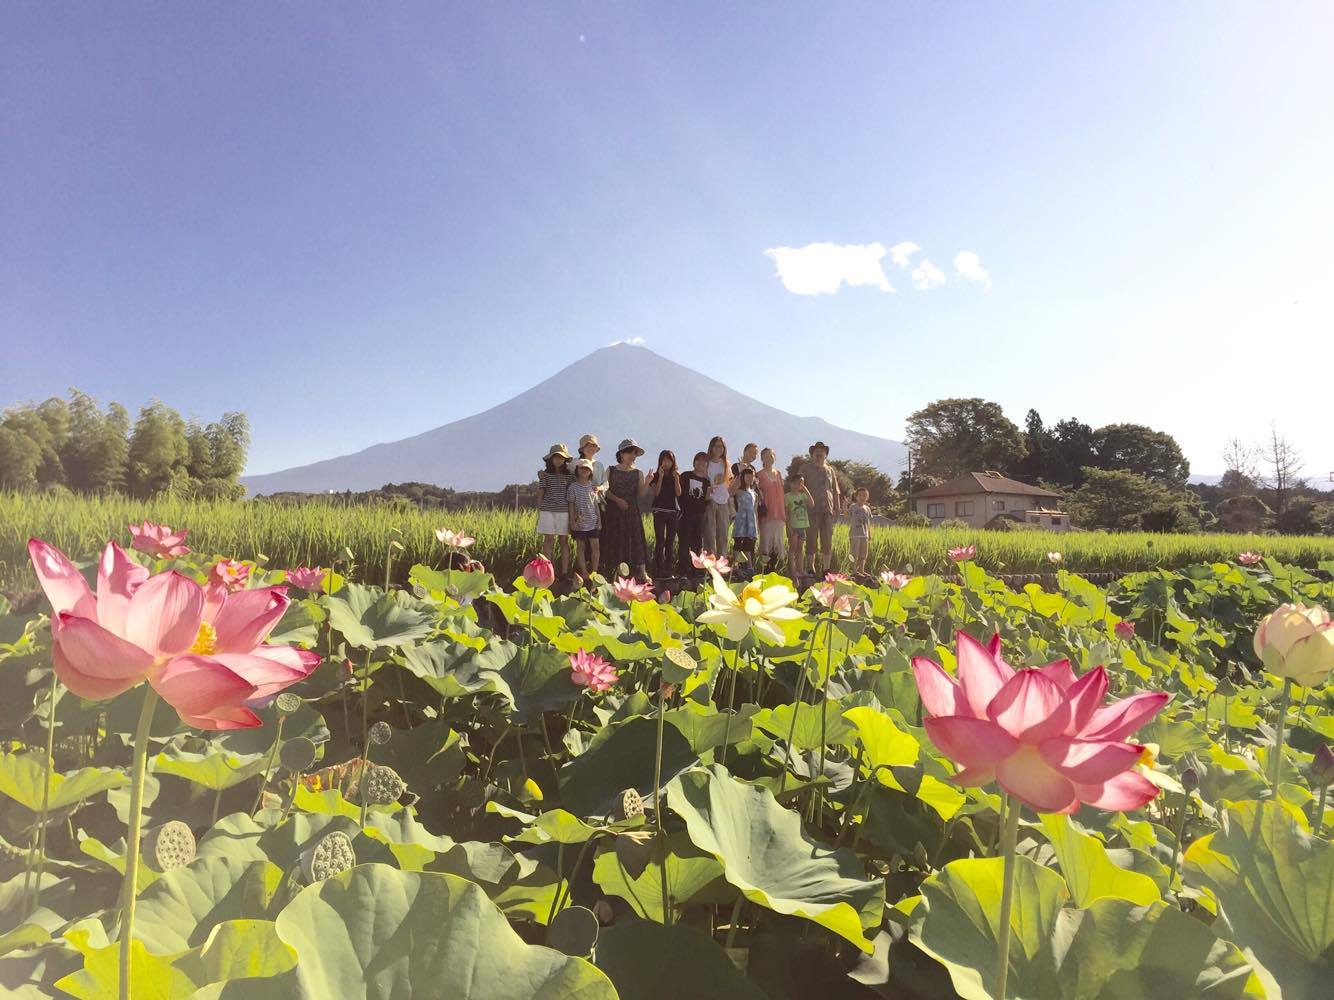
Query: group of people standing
(589,514)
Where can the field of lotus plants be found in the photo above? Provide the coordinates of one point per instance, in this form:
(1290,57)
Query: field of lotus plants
(225,779)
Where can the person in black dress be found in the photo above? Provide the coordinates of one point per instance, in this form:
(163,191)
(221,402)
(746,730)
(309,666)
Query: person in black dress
(694,501)
(622,524)
(664,483)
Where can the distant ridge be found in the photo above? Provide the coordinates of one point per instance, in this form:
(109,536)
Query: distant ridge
(619,391)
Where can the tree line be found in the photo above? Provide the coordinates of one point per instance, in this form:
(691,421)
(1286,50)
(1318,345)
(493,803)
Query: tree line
(79,445)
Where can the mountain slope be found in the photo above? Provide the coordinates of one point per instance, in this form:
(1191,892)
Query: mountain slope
(615,392)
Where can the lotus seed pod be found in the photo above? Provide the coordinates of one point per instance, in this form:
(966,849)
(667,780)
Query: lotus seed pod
(632,804)
(287,703)
(169,846)
(574,931)
(380,734)
(297,754)
(1322,767)
(327,857)
(1190,779)
(382,785)
(604,912)
(681,658)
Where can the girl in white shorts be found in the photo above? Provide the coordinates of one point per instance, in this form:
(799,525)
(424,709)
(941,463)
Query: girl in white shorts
(553,509)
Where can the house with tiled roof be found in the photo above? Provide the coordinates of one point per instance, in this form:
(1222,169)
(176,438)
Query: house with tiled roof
(981,497)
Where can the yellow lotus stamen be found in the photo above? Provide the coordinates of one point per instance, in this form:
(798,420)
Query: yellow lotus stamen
(206,641)
(752,592)
(1149,756)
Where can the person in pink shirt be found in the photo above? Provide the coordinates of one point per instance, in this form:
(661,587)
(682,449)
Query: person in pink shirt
(773,510)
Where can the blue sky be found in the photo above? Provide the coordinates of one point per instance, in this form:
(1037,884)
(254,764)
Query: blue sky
(355,222)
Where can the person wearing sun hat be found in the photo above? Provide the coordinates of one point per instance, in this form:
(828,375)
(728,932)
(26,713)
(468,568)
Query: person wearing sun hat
(553,508)
(588,447)
(822,482)
(623,524)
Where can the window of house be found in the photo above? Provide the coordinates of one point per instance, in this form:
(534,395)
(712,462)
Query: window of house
(935,510)
(963,508)
(998,505)
(1055,522)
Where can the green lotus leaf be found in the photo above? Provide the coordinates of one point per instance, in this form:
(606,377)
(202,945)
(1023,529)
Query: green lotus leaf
(376,932)
(650,961)
(705,728)
(441,583)
(299,624)
(21,780)
(1275,884)
(778,721)
(694,877)
(369,618)
(1088,871)
(182,907)
(456,670)
(768,856)
(1112,950)
(216,770)
(592,783)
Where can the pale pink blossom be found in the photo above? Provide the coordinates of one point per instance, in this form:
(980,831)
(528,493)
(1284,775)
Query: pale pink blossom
(1054,558)
(707,560)
(230,574)
(539,572)
(894,580)
(157,540)
(591,671)
(1249,558)
(1124,630)
(307,577)
(454,539)
(827,595)
(628,589)
(962,553)
(1044,736)
(203,650)
(832,577)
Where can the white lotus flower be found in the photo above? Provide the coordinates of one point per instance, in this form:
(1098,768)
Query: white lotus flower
(755,607)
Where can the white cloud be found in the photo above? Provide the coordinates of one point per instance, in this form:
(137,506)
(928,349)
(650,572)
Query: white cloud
(824,268)
(969,265)
(632,341)
(927,276)
(900,253)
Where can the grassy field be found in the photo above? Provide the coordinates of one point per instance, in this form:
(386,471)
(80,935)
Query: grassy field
(317,534)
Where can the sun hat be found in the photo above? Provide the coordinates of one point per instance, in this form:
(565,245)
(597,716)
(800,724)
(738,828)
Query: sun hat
(628,444)
(583,463)
(589,439)
(556,449)
(818,444)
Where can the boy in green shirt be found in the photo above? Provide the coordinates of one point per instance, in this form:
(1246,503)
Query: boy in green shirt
(798,502)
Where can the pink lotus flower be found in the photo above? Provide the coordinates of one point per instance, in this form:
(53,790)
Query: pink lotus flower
(1124,630)
(707,560)
(203,651)
(1043,736)
(895,580)
(307,577)
(157,540)
(539,572)
(229,574)
(832,577)
(1249,558)
(962,553)
(454,539)
(827,594)
(627,589)
(592,671)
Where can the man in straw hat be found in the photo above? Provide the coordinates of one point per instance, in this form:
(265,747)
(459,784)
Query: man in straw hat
(822,482)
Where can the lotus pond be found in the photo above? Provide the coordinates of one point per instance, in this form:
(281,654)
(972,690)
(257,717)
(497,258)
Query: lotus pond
(489,790)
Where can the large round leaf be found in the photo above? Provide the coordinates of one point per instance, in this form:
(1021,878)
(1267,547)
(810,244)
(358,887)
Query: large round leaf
(375,931)
(768,856)
(368,617)
(650,961)
(181,907)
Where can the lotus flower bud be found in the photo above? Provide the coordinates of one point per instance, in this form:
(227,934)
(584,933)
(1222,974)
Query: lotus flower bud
(1190,779)
(631,805)
(1297,644)
(380,734)
(1125,630)
(297,754)
(382,786)
(1322,767)
(327,857)
(171,845)
(539,572)
(287,703)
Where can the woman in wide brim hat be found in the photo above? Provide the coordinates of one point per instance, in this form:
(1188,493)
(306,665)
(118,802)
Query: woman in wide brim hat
(557,449)
(623,525)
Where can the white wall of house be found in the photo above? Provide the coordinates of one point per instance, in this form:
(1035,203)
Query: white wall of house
(979,508)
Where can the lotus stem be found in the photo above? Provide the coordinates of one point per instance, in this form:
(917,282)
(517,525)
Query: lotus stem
(1009,836)
(1278,739)
(796,704)
(824,699)
(130,883)
(731,699)
(268,767)
(1320,809)
(657,803)
(365,730)
(47,764)
(560,879)
(732,921)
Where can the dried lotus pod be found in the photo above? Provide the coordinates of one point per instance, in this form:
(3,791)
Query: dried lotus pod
(681,658)
(382,786)
(631,805)
(328,856)
(380,734)
(169,846)
(297,754)
(287,703)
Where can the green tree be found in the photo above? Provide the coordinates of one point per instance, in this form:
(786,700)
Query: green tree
(200,462)
(1142,450)
(229,439)
(20,456)
(1057,454)
(94,453)
(1119,500)
(955,436)
(854,475)
(159,451)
